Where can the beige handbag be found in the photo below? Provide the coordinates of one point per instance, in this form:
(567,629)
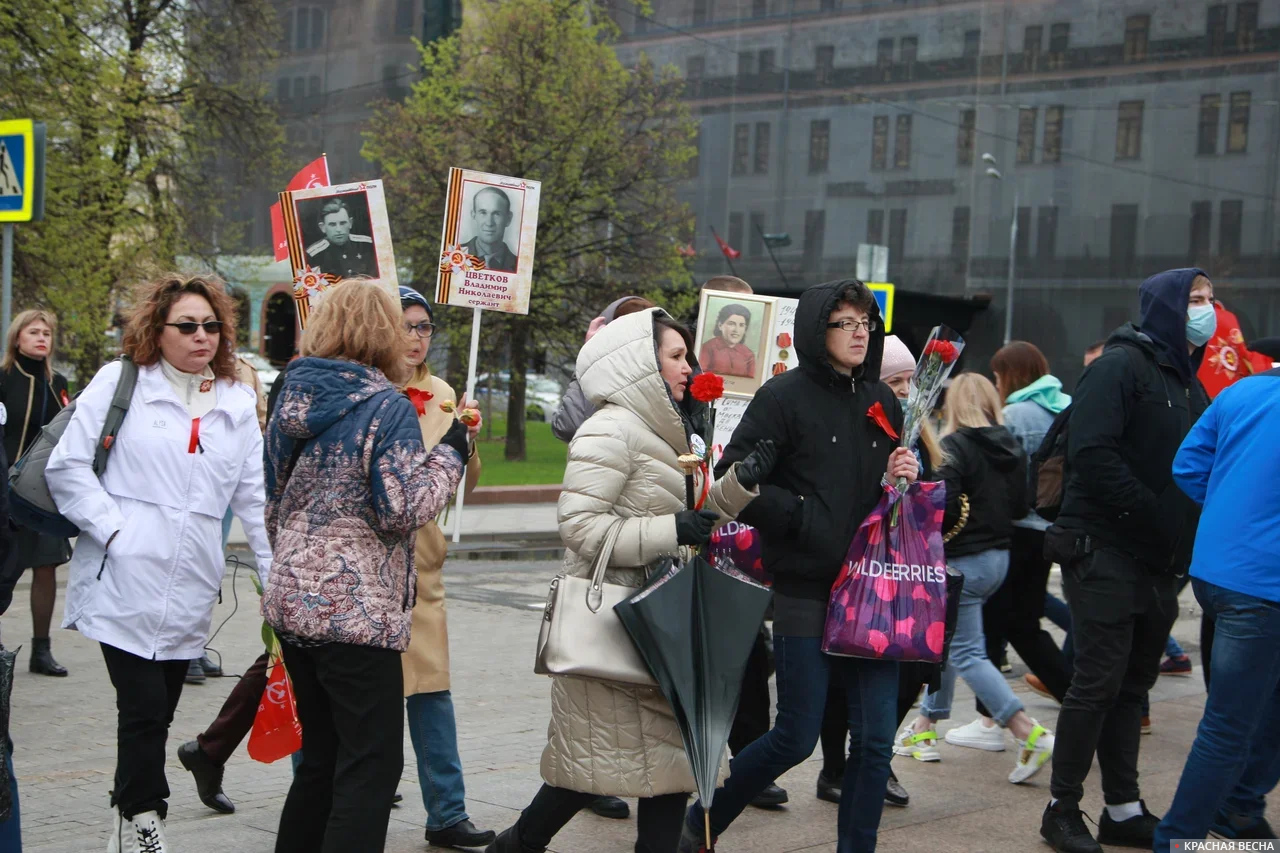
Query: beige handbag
(581,636)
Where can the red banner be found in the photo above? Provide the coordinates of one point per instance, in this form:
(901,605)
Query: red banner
(314,174)
(1226,358)
(729,252)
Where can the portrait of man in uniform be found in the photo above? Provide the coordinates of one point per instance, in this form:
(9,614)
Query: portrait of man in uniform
(491,215)
(341,251)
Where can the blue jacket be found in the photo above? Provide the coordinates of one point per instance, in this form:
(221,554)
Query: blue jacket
(1230,463)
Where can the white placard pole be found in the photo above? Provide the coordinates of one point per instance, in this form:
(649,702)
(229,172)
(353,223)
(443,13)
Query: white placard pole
(471,395)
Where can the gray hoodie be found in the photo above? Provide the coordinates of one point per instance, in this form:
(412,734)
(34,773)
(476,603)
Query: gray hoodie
(575,408)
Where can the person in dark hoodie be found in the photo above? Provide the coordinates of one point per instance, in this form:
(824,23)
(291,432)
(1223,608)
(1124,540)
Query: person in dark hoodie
(1123,534)
(985,471)
(832,459)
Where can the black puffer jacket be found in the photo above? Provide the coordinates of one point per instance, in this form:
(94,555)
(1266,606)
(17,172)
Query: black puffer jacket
(831,455)
(989,467)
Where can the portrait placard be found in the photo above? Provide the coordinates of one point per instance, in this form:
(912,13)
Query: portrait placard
(334,234)
(487,243)
(733,338)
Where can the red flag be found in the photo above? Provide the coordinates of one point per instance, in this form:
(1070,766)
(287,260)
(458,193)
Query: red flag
(314,174)
(687,251)
(729,252)
(1226,358)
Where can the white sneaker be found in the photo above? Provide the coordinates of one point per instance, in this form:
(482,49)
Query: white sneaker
(1033,754)
(113,843)
(921,747)
(143,834)
(977,736)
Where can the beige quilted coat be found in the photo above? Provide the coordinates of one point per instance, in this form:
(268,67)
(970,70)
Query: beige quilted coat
(610,738)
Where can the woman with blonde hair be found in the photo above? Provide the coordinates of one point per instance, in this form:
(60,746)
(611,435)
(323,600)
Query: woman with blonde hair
(31,394)
(349,483)
(985,470)
(148,566)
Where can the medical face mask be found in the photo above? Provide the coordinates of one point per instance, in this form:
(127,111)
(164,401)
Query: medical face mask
(1202,322)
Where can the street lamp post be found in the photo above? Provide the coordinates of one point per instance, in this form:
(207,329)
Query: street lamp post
(993,172)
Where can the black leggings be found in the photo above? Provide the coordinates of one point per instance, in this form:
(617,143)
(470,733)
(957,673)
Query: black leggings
(658,821)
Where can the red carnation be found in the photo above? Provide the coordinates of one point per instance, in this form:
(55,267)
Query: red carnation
(784,340)
(877,415)
(707,387)
(944,350)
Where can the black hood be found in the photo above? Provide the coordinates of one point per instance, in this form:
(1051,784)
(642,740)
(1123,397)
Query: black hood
(816,305)
(997,444)
(1163,321)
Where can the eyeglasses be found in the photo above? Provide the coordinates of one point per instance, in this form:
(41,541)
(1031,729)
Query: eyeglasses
(211,327)
(854,325)
(422,330)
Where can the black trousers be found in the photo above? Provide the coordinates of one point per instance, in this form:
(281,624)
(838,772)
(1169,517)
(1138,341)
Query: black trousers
(351,706)
(912,676)
(658,821)
(1120,617)
(1013,615)
(752,720)
(147,693)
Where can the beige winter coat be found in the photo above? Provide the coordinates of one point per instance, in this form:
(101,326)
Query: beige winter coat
(609,738)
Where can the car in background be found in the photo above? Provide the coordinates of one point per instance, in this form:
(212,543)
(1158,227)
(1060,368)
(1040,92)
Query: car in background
(541,394)
(267,372)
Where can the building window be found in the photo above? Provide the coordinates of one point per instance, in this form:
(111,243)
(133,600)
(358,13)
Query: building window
(1201,228)
(819,145)
(897,234)
(695,67)
(1046,233)
(1217,29)
(1027,135)
(1238,123)
(884,53)
(828,5)
(1022,246)
(824,62)
(735,231)
(1230,218)
(282,90)
(907,50)
(966,137)
(313,82)
(1124,238)
(755,242)
(762,148)
(880,142)
(759,8)
(741,148)
(304,27)
(972,43)
(1059,40)
(1052,150)
(815,232)
(299,88)
(404,18)
(1129,131)
(1136,30)
(902,143)
(1032,38)
(875,227)
(1246,27)
(746,63)
(960,233)
(700,11)
(767,64)
(1207,131)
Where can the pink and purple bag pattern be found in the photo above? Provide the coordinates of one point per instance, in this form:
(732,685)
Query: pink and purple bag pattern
(737,546)
(889,601)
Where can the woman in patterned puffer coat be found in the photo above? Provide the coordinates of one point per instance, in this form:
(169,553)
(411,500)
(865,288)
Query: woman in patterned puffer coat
(348,484)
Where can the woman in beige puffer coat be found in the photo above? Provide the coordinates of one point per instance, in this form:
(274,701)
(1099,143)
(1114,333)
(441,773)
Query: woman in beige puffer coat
(607,738)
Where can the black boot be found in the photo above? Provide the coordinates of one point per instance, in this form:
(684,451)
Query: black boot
(1063,827)
(42,662)
(208,777)
(611,807)
(508,841)
(461,834)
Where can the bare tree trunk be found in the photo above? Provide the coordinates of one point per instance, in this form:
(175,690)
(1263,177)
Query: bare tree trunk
(519,366)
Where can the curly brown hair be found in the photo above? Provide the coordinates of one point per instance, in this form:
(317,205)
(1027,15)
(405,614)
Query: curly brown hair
(359,321)
(152,301)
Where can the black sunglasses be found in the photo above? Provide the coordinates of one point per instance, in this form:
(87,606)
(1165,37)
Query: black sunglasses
(211,327)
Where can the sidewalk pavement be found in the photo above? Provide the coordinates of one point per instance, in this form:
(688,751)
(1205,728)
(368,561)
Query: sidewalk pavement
(64,734)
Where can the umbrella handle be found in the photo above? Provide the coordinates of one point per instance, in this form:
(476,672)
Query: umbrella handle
(706,821)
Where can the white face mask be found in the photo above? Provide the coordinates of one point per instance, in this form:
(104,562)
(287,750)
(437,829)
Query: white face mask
(1202,322)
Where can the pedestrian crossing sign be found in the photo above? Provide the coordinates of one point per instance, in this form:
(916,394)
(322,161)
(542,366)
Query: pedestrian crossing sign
(883,292)
(20,196)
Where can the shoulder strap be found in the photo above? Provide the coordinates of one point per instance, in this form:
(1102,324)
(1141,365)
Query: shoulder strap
(115,414)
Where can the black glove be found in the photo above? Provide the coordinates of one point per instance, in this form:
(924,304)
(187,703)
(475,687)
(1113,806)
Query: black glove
(693,527)
(758,464)
(457,438)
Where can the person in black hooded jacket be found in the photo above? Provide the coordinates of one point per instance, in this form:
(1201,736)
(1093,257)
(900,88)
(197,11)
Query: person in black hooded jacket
(1124,532)
(832,458)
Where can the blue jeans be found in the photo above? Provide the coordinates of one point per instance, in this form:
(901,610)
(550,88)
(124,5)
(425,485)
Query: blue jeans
(803,674)
(1243,708)
(11,829)
(435,743)
(1059,614)
(983,574)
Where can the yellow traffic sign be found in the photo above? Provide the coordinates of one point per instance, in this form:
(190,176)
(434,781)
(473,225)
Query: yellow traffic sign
(883,293)
(19,183)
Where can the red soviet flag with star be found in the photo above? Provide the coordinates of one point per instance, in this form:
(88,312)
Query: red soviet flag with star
(314,174)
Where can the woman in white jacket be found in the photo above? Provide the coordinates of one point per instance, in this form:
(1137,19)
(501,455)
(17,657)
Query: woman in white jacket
(148,563)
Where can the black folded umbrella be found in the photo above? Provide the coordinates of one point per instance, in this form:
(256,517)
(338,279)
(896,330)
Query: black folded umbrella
(7,659)
(694,625)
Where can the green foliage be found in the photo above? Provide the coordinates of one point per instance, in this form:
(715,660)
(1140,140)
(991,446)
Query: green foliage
(544,463)
(533,88)
(146,102)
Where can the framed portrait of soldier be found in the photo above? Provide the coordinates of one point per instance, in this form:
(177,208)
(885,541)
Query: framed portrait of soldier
(732,338)
(487,243)
(335,234)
